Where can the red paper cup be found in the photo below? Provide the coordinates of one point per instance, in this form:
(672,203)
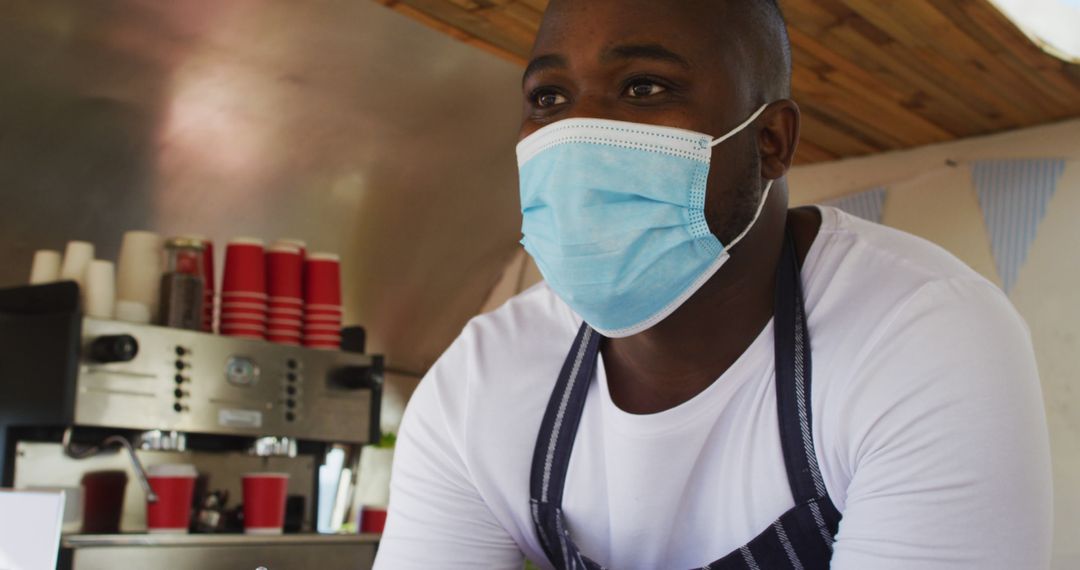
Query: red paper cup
(264,502)
(283,332)
(245,267)
(296,243)
(103,501)
(372,520)
(322,315)
(285,272)
(243,327)
(244,313)
(287,308)
(287,302)
(248,304)
(242,297)
(322,279)
(174,486)
(322,329)
(323,308)
(287,340)
(237,325)
(284,325)
(284,319)
(243,319)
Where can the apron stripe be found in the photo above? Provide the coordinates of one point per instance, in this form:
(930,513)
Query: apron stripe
(804,403)
(574,373)
(788,548)
(748,557)
(822,527)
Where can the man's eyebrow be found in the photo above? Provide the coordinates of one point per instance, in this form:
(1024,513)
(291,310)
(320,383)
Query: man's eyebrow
(645,51)
(543,62)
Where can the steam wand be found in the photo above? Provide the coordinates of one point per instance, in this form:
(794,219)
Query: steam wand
(90,451)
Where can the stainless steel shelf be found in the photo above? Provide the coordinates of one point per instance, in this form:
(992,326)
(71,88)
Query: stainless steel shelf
(202,540)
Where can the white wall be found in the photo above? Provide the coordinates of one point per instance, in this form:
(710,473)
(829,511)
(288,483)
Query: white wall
(931,195)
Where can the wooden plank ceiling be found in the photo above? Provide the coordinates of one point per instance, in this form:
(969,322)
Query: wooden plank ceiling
(870,75)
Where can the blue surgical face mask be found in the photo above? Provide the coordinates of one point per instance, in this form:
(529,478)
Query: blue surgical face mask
(614,216)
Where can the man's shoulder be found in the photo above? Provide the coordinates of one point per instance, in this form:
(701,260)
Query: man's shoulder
(885,254)
(869,282)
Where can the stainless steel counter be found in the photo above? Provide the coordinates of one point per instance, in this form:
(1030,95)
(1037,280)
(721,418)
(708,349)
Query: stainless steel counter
(218,551)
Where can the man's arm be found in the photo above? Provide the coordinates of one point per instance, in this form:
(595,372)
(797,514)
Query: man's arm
(437,518)
(945,439)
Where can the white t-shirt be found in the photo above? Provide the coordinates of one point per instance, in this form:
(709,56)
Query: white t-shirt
(927,418)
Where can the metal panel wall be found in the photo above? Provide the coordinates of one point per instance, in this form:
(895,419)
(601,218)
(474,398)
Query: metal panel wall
(335,121)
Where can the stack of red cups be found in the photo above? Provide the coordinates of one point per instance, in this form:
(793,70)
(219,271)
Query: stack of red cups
(285,286)
(322,301)
(243,290)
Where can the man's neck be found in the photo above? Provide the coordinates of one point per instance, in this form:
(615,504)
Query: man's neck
(685,353)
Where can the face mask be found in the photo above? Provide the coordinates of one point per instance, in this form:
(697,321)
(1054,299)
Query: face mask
(614,216)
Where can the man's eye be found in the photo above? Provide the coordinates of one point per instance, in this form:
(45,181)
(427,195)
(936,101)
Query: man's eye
(644,89)
(548,99)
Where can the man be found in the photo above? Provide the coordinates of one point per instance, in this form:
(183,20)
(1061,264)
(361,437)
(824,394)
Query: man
(752,387)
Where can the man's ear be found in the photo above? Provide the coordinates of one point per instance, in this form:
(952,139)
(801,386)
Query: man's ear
(778,139)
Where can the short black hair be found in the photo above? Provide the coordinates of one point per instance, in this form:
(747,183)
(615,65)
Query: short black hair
(770,42)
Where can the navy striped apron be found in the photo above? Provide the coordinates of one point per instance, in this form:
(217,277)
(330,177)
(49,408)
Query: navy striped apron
(801,538)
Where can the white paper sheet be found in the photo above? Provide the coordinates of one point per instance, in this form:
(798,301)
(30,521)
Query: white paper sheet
(30,529)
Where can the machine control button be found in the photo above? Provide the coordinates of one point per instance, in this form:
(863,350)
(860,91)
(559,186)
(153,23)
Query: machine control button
(179,379)
(181,351)
(114,348)
(291,390)
(178,407)
(291,363)
(179,393)
(290,403)
(291,377)
(289,416)
(180,365)
(241,371)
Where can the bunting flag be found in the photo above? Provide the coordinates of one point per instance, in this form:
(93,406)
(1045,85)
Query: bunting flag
(1013,195)
(867,205)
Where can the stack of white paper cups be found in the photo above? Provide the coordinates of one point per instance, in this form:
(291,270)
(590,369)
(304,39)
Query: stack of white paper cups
(100,290)
(138,276)
(77,258)
(46,267)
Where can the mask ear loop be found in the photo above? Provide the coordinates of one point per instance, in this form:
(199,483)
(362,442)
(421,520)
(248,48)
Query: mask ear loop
(765,193)
(740,128)
(761,206)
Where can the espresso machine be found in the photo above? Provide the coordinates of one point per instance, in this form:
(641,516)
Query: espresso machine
(80,395)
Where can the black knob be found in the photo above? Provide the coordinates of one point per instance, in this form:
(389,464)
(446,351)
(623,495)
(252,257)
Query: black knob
(114,348)
(289,416)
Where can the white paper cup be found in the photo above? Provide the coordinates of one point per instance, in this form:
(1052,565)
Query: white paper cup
(77,258)
(139,269)
(100,290)
(46,267)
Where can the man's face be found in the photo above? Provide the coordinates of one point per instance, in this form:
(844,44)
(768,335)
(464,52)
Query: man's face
(643,61)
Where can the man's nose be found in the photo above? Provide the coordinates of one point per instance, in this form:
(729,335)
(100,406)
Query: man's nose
(594,105)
